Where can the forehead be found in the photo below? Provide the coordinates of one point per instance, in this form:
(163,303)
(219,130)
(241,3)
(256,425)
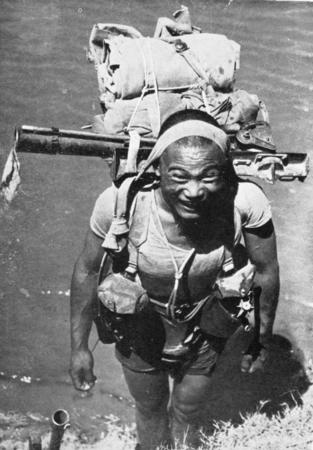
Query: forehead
(193,155)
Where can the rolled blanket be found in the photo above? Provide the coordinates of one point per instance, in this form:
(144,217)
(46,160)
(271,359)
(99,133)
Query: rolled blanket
(145,115)
(131,65)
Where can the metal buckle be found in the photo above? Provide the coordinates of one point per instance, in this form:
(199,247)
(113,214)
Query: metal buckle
(180,46)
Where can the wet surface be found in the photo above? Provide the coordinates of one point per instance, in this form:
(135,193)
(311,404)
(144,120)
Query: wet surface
(46,81)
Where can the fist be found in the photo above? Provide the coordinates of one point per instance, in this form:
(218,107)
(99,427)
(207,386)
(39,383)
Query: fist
(254,359)
(81,370)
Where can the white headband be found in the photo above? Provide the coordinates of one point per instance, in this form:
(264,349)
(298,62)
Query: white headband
(184,129)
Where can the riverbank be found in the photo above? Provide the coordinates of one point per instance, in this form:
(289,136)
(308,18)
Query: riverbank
(290,429)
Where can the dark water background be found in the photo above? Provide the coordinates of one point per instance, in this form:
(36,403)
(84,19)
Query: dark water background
(46,81)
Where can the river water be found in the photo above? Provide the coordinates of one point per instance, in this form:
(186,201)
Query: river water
(46,81)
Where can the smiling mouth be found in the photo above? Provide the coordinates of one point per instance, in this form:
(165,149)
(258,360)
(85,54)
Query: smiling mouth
(190,206)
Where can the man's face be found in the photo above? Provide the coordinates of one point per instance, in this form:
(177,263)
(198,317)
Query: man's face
(192,181)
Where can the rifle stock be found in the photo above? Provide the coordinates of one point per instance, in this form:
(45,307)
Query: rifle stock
(251,162)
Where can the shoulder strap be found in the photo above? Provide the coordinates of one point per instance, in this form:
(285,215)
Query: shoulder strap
(140,217)
(228,261)
(119,226)
(139,225)
(130,221)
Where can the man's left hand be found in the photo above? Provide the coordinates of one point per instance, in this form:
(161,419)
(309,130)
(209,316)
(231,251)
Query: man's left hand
(254,359)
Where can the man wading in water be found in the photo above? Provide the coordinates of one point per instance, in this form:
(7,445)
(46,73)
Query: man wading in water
(192,222)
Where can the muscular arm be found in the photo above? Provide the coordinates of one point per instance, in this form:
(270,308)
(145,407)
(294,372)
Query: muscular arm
(83,294)
(261,247)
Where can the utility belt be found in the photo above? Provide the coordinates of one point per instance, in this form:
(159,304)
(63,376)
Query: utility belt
(122,301)
(210,316)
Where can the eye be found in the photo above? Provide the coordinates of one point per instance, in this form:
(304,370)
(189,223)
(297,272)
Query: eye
(211,175)
(179,177)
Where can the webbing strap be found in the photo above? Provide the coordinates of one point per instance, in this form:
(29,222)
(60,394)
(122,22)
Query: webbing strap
(132,267)
(119,225)
(192,60)
(133,115)
(179,273)
(151,84)
(104,266)
(133,149)
(140,218)
(263,111)
(139,226)
(228,263)
(154,113)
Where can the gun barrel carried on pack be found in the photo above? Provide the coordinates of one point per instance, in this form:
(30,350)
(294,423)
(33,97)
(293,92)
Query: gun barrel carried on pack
(248,159)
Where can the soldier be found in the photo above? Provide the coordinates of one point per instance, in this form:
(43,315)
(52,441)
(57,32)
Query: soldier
(192,222)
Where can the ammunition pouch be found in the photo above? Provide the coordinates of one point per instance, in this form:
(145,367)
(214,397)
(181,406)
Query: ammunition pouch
(217,320)
(221,317)
(108,326)
(120,299)
(121,295)
(233,302)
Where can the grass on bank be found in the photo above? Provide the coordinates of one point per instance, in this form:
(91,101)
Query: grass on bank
(291,430)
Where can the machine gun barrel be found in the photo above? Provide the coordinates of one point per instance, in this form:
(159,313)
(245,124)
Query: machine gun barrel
(248,162)
(55,141)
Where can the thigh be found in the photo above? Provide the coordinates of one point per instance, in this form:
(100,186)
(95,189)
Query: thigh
(188,408)
(149,389)
(191,392)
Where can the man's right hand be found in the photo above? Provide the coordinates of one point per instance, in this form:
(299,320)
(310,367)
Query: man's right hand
(81,370)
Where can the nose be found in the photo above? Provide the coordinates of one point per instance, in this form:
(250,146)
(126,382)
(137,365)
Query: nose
(194,190)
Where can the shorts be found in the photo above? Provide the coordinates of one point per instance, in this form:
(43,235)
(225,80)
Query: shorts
(200,361)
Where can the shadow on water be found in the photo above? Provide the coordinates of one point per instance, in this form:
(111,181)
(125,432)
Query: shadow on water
(235,395)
